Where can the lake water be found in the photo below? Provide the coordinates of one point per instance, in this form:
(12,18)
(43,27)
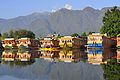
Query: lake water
(55,65)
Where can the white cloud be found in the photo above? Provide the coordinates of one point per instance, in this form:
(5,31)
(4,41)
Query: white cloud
(68,6)
(53,10)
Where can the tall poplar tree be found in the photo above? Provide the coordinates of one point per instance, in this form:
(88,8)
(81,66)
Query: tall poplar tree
(111,22)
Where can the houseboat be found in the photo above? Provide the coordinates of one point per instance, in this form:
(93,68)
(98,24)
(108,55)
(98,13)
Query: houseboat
(49,43)
(118,41)
(71,42)
(97,40)
(27,43)
(1,47)
(9,43)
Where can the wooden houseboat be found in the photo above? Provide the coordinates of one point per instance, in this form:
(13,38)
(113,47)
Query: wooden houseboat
(27,43)
(9,43)
(71,42)
(49,43)
(97,40)
(118,41)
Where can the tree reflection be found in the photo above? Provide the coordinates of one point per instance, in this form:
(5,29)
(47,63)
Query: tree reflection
(111,70)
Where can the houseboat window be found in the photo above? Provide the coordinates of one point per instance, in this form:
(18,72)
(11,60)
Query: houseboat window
(119,36)
(9,42)
(3,42)
(67,40)
(17,42)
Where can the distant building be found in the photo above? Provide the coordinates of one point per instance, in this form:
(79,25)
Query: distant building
(9,43)
(97,40)
(118,41)
(28,43)
(71,42)
(49,42)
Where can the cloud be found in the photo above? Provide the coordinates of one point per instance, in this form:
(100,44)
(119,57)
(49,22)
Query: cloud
(68,6)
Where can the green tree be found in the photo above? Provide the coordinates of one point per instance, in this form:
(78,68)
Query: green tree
(19,34)
(111,22)
(74,35)
(90,33)
(84,34)
(5,35)
(59,36)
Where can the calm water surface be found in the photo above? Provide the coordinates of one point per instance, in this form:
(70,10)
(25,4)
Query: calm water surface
(55,65)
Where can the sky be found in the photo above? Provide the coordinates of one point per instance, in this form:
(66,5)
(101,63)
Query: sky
(14,8)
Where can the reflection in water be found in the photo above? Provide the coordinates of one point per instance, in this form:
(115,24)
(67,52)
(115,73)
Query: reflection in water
(118,55)
(72,56)
(100,56)
(53,65)
(64,55)
(15,58)
(111,70)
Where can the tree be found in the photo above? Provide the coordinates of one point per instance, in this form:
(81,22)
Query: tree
(111,22)
(18,34)
(59,36)
(90,33)
(5,35)
(74,35)
(84,34)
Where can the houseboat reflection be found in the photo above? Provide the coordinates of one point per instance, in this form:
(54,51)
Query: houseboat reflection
(118,55)
(19,58)
(100,56)
(64,55)
(72,55)
(50,55)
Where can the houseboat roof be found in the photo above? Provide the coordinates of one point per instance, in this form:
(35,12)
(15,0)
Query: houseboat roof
(99,34)
(9,39)
(24,38)
(68,37)
(118,35)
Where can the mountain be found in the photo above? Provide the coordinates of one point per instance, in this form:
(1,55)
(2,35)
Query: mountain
(62,21)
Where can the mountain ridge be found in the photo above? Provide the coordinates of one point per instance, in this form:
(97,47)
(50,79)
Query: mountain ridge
(62,21)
